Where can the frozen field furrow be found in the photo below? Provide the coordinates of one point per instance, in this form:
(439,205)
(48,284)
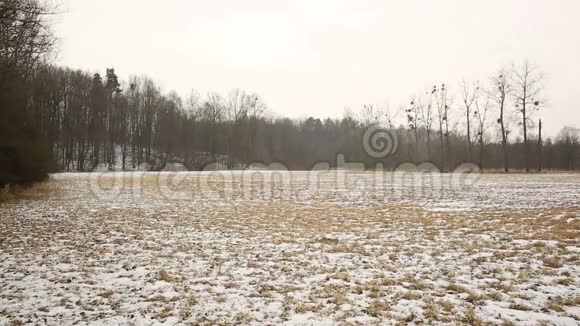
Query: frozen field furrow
(299,249)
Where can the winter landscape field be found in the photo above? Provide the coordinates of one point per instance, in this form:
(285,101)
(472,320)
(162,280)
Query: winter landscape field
(259,162)
(292,248)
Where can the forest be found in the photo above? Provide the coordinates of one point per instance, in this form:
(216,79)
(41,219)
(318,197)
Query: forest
(58,119)
(90,120)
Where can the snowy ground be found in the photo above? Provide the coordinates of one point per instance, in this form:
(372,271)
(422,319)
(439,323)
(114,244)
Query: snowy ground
(361,248)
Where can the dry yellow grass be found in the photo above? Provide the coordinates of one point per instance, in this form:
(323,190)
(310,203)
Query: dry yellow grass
(37,191)
(165,276)
(378,308)
(357,260)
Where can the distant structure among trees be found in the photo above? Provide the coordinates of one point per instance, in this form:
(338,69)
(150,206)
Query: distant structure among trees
(58,119)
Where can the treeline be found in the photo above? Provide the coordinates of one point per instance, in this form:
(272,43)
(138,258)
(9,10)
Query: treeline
(25,39)
(96,121)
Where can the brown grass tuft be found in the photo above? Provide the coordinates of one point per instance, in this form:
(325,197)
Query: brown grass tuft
(165,276)
(378,308)
(552,262)
(470,317)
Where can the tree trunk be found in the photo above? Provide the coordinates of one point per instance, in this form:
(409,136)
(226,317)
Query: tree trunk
(448,149)
(443,160)
(469,154)
(540,160)
(526,158)
(503,137)
(481,154)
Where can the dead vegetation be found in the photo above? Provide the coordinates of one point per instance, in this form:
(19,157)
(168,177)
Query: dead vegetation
(202,260)
(165,276)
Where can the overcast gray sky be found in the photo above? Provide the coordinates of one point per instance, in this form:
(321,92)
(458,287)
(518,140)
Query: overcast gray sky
(318,57)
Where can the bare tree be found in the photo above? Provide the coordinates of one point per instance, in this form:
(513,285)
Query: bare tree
(25,41)
(427,116)
(569,139)
(540,147)
(370,115)
(443,110)
(500,89)
(413,116)
(25,36)
(258,107)
(238,104)
(193,103)
(213,113)
(527,82)
(238,107)
(134,99)
(482,107)
(387,114)
(470,92)
(151,100)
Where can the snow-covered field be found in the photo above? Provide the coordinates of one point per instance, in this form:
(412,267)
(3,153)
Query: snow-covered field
(299,249)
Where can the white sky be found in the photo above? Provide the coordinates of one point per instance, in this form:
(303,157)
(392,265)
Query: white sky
(318,57)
